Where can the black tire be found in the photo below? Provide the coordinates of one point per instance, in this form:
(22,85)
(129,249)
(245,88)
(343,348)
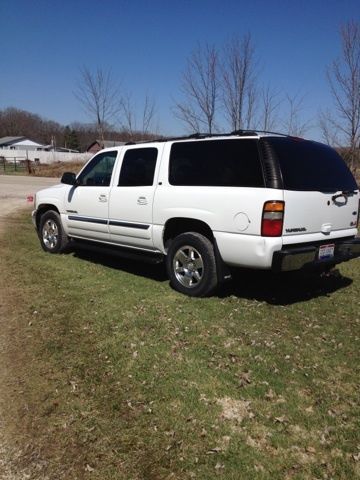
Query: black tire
(191,264)
(51,233)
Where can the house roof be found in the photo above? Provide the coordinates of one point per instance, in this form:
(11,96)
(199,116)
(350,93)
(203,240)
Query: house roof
(19,141)
(4,141)
(105,144)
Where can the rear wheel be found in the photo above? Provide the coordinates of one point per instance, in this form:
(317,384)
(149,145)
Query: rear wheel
(51,233)
(191,264)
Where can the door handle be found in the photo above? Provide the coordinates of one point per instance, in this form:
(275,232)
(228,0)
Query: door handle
(142,201)
(102,198)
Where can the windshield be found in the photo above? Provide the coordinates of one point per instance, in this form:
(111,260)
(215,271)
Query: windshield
(311,166)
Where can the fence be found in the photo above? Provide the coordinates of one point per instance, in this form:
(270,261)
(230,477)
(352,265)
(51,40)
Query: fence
(43,157)
(15,164)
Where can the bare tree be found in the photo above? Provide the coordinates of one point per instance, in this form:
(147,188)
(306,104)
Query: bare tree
(251,106)
(128,114)
(148,114)
(239,82)
(99,96)
(14,121)
(270,103)
(130,121)
(200,90)
(344,80)
(327,128)
(294,124)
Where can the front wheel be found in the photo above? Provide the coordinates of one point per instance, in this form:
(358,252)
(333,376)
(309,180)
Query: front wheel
(51,233)
(191,264)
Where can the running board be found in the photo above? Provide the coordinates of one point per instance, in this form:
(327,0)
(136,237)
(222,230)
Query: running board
(122,252)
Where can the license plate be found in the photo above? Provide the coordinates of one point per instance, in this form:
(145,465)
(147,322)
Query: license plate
(326,251)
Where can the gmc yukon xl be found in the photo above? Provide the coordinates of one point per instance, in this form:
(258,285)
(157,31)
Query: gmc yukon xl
(206,202)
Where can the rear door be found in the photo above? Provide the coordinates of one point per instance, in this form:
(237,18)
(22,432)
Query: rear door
(320,193)
(131,198)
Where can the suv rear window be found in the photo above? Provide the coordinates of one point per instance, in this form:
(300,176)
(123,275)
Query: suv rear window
(218,163)
(311,166)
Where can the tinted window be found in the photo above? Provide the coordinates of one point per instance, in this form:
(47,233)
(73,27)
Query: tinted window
(138,167)
(311,166)
(98,171)
(223,163)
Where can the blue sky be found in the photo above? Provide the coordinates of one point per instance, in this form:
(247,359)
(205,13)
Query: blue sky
(146,44)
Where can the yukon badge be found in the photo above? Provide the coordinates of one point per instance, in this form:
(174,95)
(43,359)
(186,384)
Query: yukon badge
(296,230)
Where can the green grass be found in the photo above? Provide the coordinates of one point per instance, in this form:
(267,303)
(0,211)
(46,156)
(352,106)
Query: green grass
(123,378)
(10,170)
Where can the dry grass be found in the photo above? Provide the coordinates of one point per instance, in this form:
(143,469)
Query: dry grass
(57,169)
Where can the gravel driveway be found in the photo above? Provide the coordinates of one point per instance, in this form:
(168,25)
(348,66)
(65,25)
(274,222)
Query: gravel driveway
(14,190)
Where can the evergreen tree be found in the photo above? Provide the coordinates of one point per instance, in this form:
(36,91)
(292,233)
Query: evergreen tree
(71,139)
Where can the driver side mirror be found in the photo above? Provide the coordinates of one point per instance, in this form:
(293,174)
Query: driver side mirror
(68,178)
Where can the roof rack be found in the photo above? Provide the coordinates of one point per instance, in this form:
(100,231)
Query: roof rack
(244,132)
(170,139)
(256,132)
(200,136)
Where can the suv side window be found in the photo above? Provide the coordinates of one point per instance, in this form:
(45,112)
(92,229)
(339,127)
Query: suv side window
(138,167)
(217,163)
(98,172)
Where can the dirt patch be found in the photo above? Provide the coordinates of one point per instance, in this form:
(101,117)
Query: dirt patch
(16,192)
(235,410)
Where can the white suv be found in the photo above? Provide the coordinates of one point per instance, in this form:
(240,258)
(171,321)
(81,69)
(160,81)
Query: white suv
(208,202)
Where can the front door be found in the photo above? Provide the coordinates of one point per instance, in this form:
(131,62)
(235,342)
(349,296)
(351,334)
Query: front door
(87,204)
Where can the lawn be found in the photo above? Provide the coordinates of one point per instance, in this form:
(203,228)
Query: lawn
(113,375)
(13,169)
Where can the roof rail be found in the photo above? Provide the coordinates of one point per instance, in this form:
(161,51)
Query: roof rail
(244,132)
(256,131)
(169,139)
(200,136)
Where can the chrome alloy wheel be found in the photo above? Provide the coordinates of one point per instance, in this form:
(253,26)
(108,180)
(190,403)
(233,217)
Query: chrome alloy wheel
(188,266)
(50,234)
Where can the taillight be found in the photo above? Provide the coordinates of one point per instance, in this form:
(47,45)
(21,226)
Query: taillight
(272,219)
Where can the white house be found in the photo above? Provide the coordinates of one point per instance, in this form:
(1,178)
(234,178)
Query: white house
(20,143)
(17,149)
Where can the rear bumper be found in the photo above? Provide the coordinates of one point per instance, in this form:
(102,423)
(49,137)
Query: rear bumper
(307,257)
